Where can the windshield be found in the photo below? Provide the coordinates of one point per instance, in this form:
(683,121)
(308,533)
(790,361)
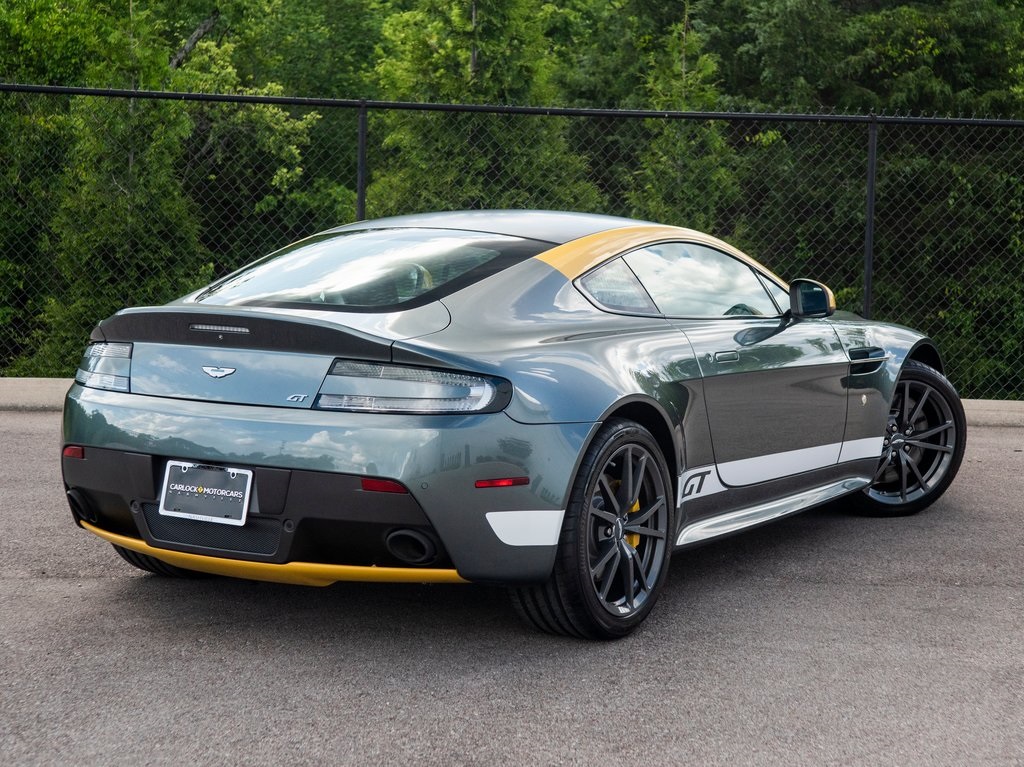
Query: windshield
(371,270)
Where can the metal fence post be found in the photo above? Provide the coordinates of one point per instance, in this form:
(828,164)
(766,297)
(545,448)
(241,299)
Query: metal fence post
(361,165)
(869,228)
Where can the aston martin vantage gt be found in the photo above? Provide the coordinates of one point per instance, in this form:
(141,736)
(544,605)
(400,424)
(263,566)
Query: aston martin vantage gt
(554,402)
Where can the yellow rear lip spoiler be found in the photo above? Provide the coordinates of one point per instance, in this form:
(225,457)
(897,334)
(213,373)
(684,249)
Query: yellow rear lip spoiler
(302,573)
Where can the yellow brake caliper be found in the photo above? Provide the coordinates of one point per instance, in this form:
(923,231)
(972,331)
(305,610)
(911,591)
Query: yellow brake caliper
(633,539)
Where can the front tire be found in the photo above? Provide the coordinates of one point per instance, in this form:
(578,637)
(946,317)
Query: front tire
(923,446)
(615,545)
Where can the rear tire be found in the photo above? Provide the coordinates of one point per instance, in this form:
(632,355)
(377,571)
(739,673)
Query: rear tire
(615,544)
(923,448)
(154,565)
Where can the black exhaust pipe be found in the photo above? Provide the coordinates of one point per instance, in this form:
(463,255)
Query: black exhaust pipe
(412,547)
(81,509)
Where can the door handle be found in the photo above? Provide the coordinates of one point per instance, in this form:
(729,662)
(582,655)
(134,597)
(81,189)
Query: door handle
(733,356)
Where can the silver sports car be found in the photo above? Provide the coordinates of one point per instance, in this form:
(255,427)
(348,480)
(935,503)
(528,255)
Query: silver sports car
(555,402)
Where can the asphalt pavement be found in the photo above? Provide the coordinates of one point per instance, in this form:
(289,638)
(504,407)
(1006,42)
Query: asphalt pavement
(824,639)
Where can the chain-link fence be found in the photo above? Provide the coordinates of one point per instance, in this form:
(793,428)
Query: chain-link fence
(110,199)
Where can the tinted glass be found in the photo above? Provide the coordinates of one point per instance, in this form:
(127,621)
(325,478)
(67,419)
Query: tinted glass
(813,299)
(687,280)
(781,296)
(613,286)
(375,270)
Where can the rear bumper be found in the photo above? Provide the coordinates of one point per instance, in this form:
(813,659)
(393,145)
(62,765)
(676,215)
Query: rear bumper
(302,573)
(310,507)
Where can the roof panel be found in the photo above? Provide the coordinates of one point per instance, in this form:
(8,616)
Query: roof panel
(550,226)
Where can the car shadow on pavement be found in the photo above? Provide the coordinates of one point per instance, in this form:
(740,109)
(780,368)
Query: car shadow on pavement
(817,545)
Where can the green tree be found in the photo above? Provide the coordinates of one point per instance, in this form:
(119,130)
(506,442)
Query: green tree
(122,226)
(242,166)
(948,58)
(40,42)
(315,48)
(486,52)
(950,248)
(148,188)
(606,50)
(685,174)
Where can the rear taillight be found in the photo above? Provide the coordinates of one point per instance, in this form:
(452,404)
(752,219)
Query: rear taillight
(106,366)
(375,388)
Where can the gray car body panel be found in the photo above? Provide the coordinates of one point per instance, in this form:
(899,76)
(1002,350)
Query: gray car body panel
(795,391)
(436,457)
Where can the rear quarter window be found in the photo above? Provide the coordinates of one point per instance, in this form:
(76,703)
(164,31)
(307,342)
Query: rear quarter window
(614,287)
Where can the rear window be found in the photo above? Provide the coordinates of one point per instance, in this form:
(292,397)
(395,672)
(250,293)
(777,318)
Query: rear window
(371,270)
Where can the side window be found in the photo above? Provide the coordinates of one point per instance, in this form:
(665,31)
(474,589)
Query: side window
(614,287)
(781,296)
(688,280)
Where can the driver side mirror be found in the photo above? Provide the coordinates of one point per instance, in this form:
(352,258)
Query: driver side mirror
(808,298)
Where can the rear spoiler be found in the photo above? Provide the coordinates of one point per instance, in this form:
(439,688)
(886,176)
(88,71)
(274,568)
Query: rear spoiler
(240,329)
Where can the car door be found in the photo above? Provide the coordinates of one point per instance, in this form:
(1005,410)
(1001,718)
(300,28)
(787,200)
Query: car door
(774,386)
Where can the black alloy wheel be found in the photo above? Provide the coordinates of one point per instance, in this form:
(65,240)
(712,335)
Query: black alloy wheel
(923,445)
(615,546)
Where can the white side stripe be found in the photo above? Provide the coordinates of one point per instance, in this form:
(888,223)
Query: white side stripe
(750,471)
(704,480)
(542,527)
(861,448)
(526,528)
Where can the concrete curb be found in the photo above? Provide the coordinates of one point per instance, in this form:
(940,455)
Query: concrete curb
(33,394)
(40,394)
(994,412)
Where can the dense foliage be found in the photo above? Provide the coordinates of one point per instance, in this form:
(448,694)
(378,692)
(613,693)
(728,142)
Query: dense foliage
(145,199)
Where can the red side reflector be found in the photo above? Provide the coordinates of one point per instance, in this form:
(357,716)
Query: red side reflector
(383,486)
(503,482)
(74,451)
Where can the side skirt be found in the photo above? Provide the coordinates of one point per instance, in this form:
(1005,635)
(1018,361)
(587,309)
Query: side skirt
(741,519)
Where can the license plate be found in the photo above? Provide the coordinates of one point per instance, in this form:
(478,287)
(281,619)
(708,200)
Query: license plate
(207,493)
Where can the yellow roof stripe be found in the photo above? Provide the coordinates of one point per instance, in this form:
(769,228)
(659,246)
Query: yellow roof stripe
(302,573)
(579,256)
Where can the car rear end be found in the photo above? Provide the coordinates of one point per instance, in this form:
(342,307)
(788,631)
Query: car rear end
(275,439)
